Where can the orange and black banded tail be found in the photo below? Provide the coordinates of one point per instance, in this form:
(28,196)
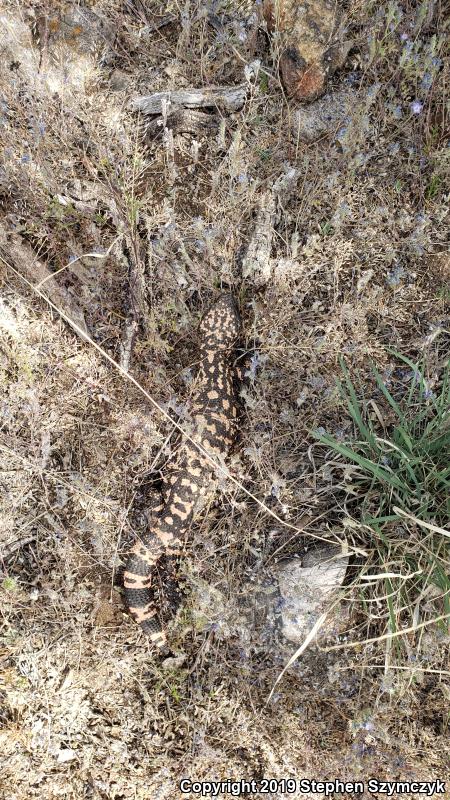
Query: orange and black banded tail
(138,587)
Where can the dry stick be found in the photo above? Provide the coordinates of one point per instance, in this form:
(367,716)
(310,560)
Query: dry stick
(74,260)
(155,26)
(392,635)
(316,627)
(421,522)
(391,666)
(156,405)
(226,98)
(16,545)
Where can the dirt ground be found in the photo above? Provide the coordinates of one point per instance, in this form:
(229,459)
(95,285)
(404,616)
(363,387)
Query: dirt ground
(335,244)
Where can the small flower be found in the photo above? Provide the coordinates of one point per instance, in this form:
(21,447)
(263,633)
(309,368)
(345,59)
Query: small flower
(416,107)
(255,362)
(222,37)
(352,78)
(427,80)
(372,92)
(404,37)
(395,276)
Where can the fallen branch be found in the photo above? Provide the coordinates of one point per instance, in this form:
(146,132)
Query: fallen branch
(147,30)
(223,98)
(131,252)
(11,547)
(132,255)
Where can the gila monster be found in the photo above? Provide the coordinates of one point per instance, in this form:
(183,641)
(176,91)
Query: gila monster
(189,473)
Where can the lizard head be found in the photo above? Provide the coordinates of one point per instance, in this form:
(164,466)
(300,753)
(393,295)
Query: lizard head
(220,326)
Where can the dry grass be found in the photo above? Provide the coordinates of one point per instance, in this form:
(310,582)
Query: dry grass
(355,262)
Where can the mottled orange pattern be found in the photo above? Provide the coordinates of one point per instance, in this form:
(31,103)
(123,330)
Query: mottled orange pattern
(189,473)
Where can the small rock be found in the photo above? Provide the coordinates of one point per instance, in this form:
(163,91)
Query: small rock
(173,662)
(307,588)
(106,614)
(313,43)
(119,80)
(66,755)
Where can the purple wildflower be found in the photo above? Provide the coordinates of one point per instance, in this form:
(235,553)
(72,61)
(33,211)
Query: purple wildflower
(416,107)
(427,80)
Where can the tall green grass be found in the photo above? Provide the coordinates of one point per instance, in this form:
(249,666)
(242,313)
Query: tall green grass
(397,480)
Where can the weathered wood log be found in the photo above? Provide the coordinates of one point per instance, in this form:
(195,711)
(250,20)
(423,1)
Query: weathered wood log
(224,98)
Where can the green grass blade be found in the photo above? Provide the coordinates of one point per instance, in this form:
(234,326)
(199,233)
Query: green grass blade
(385,391)
(349,394)
(374,469)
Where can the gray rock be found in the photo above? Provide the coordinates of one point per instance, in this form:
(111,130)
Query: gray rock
(288,599)
(307,588)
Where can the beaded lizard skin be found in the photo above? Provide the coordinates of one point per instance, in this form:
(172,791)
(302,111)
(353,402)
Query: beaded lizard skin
(189,473)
